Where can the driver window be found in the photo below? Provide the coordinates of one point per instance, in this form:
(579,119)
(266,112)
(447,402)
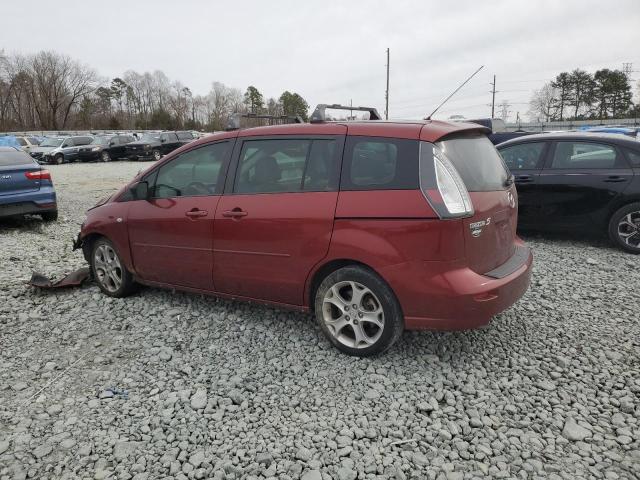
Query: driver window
(193,173)
(67,143)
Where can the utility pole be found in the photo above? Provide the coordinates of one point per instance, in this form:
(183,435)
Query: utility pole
(386,95)
(493,97)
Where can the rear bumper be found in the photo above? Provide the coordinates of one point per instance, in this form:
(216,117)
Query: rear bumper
(40,201)
(450,296)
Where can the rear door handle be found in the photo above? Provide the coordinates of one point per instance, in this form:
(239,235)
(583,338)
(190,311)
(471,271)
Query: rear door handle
(235,213)
(194,213)
(615,179)
(523,179)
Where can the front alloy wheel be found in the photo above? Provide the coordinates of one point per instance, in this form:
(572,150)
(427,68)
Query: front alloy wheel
(358,312)
(108,270)
(157,155)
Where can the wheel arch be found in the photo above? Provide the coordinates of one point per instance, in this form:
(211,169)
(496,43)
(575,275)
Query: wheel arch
(327,268)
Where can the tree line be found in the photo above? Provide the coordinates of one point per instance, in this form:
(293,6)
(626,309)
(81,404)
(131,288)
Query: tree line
(580,95)
(51,91)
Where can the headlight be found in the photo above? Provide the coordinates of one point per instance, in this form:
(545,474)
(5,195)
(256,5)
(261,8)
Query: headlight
(95,149)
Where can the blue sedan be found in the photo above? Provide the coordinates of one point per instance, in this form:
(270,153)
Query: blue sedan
(25,187)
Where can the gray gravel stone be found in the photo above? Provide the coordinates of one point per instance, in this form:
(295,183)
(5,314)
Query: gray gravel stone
(210,388)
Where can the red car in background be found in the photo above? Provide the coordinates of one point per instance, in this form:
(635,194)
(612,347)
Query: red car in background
(374,226)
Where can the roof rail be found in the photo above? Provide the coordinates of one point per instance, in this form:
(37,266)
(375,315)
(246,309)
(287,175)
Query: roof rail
(319,114)
(236,118)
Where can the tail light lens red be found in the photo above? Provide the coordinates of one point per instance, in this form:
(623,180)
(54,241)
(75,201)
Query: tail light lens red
(38,175)
(442,185)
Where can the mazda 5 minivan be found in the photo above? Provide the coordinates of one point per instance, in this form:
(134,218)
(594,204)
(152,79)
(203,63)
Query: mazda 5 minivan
(373,226)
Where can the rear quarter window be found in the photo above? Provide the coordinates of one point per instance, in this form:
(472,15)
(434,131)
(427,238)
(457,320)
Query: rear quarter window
(376,163)
(634,157)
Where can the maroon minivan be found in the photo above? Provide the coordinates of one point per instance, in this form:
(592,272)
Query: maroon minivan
(374,226)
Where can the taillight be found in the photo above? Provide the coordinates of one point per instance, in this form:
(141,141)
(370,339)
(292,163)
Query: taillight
(39,175)
(441,184)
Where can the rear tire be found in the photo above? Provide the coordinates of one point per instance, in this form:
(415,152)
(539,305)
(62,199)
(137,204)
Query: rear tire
(50,216)
(358,312)
(624,228)
(109,271)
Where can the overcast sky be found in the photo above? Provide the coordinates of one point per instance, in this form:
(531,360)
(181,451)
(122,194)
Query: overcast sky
(334,51)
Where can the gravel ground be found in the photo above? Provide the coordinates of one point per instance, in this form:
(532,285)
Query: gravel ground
(173,385)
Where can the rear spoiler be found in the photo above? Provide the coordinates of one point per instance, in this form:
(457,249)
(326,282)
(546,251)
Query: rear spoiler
(448,129)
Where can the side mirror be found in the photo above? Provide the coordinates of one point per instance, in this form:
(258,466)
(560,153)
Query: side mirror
(140,191)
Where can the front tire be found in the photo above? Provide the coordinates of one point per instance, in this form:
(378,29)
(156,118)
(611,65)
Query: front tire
(109,271)
(358,312)
(105,157)
(58,160)
(156,155)
(624,228)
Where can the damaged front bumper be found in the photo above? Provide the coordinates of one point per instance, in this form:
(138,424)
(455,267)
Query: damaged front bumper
(77,242)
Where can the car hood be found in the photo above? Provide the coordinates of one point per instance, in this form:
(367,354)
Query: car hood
(42,149)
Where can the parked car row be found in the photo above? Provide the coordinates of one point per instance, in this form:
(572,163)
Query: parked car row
(105,147)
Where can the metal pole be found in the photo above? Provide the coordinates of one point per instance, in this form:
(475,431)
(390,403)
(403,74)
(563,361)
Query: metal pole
(493,97)
(386,96)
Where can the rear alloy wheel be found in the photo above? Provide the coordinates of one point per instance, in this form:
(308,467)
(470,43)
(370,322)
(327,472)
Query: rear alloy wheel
(109,271)
(157,155)
(624,228)
(105,157)
(358,312)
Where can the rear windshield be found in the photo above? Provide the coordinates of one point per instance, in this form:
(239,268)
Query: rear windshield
(477,162)
(16,157)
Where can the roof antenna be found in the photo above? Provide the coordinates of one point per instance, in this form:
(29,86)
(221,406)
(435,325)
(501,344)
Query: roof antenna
(454,92)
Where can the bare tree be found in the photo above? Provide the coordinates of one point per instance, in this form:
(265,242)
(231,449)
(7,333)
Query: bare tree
(542,103)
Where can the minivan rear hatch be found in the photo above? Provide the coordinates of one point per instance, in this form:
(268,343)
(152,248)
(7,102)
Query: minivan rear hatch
(490,233)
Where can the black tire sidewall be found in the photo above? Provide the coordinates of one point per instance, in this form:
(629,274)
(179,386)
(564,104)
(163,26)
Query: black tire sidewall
(127,280)
(613,227)
(105,157)
(156,155)
(393,319)
(58,160)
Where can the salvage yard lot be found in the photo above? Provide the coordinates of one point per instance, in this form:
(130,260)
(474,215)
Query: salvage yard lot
(173,385)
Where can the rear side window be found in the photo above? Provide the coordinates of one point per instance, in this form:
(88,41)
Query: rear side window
(193,173)
(82,140)
(477,161)
(583,155)
(185,136)
(285,165)
(14,157)
(169,137)
(525,156)
(634,157)
(374,163)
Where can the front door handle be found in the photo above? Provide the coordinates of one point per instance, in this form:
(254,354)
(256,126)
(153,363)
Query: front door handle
(615,179)
(235,213)
(194,213)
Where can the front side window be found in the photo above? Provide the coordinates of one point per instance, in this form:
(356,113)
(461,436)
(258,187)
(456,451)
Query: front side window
(583,155)
(193,173)
(373,163)
(68,143)
(525,156)
(285,165)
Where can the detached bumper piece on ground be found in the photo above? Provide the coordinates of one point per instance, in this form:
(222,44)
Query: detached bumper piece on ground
(73,279)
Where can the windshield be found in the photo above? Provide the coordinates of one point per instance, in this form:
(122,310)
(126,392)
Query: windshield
(150,137)
(51,142)
(477,161)
(101,140)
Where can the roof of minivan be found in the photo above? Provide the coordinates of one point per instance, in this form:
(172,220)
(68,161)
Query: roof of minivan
(592,136)
(427,130)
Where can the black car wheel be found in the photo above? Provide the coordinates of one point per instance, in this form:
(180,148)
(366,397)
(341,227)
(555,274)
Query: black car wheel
(58,159)
(105,157)
(358,312)
(50,216)
(624,228)
(157,155)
